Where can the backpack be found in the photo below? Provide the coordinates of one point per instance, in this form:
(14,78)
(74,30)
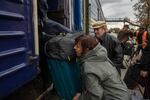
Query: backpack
(144,38)
(61,46)
(148,41)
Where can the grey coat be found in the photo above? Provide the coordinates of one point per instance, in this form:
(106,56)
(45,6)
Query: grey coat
(101,80)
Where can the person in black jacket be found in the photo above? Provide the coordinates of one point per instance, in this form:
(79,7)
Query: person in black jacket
(42,15)
(110,42)
(145,70)
(124,34)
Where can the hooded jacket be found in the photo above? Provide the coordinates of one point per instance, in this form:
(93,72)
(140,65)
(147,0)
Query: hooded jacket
(101,80)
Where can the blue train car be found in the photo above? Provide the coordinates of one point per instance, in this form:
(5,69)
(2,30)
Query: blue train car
(19,51)
(18,59)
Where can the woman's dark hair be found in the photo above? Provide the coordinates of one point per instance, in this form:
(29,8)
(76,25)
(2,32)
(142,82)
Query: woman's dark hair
(88,42)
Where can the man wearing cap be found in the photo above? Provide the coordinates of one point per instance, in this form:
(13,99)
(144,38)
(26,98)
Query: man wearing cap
(110,42)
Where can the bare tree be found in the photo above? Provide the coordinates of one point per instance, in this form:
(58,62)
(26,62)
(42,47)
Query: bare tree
(142,12)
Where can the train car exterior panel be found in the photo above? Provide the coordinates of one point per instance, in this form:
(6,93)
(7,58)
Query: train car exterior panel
(18,63)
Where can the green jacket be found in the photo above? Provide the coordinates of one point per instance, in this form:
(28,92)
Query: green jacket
(101,80)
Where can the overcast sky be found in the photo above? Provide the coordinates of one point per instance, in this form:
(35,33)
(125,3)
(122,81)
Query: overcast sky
(118,9)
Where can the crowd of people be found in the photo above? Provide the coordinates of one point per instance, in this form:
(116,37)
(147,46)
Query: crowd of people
(101,59)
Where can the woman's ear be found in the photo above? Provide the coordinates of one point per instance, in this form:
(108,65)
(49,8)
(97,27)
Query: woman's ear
(87,49)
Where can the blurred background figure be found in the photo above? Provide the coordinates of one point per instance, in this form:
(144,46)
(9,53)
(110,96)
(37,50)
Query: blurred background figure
(124,34)
(145,70)
(141,37)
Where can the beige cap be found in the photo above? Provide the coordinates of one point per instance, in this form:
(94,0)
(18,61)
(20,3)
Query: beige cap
(99,24)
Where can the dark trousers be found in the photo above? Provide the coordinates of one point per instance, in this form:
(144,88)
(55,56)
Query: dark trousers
(147,89)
